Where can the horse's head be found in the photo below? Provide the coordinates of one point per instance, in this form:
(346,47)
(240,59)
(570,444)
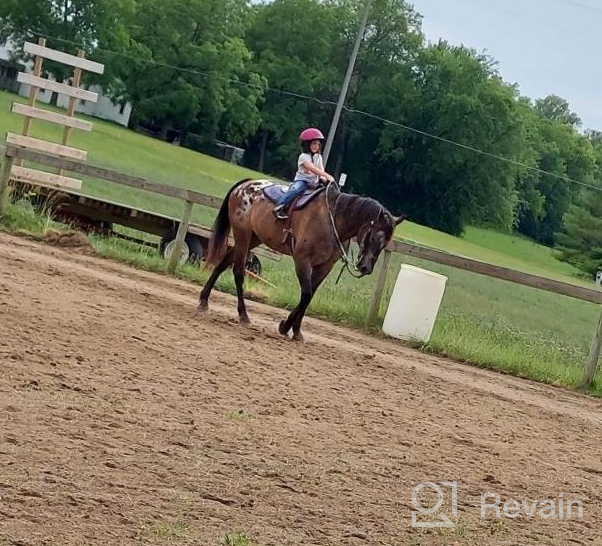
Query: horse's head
(373,237)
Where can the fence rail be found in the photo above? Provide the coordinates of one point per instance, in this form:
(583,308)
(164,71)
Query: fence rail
(498,272)
(48,160)
(63,58)
(56,87)
(51,117)
(191,197)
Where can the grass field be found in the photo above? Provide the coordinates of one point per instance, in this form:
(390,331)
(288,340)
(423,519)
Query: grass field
(485,321)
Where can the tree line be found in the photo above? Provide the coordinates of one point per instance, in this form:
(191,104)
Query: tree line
(249,74)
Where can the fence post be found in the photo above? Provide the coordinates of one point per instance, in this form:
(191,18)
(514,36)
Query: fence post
(176,252)
(377,289)
(7,165)
(594,355)
(77,79)
(33,92)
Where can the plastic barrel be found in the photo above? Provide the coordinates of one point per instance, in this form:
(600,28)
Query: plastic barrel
(414,304)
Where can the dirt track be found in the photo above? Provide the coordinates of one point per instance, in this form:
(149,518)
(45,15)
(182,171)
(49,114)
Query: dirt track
(125,418)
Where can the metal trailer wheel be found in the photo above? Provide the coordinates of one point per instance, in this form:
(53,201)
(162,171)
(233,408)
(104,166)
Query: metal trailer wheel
(253,264)
(193,250)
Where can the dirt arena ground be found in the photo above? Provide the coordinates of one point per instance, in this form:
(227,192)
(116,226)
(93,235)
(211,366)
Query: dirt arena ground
(127,419)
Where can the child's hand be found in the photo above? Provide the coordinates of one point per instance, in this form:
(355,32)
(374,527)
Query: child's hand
(330,178)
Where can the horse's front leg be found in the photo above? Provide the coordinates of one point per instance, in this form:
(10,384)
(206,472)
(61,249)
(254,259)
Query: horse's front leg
(304,274)
(317,276)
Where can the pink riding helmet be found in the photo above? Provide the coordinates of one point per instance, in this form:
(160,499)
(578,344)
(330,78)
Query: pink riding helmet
(311,134)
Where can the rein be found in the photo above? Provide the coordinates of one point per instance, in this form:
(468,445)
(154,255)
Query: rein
(345,257)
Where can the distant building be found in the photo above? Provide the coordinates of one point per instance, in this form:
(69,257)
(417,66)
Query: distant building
(104,108)
(228,152)
(9,69)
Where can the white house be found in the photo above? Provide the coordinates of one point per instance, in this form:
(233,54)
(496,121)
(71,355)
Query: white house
(104,108)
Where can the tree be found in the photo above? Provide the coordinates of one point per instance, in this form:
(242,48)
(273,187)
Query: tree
(391,44)
(193,68)
(580,241)
(458,97)
(96,26)
(562,152)
(556,108)
(292,44)
(451,92)
(303,46)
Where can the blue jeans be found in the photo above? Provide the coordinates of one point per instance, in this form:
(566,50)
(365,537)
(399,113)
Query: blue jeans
(297,188)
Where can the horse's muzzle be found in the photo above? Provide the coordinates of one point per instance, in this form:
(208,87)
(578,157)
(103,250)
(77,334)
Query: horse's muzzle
(364,269)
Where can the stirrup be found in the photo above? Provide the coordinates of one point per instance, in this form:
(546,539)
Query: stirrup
(286,235)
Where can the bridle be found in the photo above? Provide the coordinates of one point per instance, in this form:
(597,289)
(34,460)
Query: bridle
(346,258)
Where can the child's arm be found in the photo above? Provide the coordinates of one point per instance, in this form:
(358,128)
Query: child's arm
(312,168)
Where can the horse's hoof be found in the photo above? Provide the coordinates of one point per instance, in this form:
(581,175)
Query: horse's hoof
(244,321)
(202,307)
(282,328)
(298,336)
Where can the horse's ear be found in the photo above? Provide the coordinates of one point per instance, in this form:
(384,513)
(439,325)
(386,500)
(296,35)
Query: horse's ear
(399,219)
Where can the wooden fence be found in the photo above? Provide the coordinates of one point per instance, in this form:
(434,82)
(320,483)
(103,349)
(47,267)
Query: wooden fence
(15,152)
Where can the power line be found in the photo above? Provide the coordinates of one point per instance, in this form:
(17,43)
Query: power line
(346,108)
(472,149)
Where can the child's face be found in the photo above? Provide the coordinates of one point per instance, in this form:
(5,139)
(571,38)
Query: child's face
(314,146)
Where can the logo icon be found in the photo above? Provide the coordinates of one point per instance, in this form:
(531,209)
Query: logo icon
(443,519)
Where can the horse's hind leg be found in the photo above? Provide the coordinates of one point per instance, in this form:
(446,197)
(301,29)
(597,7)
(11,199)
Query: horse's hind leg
(244,242)
(219,269)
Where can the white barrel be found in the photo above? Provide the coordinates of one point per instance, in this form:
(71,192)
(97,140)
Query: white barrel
(414,304)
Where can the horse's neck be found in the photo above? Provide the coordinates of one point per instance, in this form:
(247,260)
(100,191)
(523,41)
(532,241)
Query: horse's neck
(348,216)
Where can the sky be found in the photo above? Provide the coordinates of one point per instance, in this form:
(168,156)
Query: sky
(545,46)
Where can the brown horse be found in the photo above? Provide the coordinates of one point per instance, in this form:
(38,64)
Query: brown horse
(320,234)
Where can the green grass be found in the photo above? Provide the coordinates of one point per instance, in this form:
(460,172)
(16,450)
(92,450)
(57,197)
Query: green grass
(485,321)
(24,217)
(237,539)
(169,531)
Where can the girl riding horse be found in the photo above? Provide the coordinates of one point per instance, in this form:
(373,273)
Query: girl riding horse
(321,234)
(310,169)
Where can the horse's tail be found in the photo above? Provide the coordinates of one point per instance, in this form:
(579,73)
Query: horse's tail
(218,243)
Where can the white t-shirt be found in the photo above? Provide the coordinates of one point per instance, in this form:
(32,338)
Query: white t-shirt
(305,175)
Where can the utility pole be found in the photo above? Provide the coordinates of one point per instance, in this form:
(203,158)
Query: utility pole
(343,94)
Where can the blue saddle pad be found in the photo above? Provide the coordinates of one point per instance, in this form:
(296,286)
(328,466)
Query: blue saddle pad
(276,191)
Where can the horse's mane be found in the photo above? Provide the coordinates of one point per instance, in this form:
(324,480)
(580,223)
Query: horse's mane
(364,209)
